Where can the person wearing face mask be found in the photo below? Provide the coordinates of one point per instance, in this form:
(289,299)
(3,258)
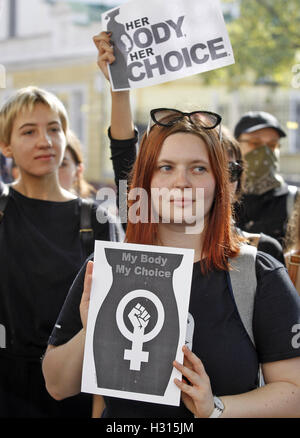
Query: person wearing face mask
(261,241)
(267,199)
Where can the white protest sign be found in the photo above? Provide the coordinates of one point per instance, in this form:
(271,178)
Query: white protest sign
(137,321)
(158,41)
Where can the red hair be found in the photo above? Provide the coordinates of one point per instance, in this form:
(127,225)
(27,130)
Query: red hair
(220,238)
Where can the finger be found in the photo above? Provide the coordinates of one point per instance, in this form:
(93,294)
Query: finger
(87,281)
(106,58)
(184,387)
(102,43)
(187,363)
(102,36)
(194,360)
(105,46)
(190,374)
(104,50)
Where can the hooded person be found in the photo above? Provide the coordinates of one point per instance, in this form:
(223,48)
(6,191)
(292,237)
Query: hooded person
(267,200)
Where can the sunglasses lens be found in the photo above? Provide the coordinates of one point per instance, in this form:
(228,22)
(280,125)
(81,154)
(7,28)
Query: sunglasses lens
(207,120)
(166,117)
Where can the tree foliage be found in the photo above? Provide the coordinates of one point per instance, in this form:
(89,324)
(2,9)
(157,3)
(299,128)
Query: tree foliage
(265,40)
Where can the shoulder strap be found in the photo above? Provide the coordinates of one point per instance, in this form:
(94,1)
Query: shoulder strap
(116,232)
(243,284)
(86,230)
(3,200)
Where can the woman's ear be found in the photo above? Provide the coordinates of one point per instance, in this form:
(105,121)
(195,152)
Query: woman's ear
(6,150)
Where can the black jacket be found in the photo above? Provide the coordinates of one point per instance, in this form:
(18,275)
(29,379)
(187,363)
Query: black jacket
(267,213)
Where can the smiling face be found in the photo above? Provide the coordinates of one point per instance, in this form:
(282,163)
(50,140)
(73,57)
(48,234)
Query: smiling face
(37,141)
(184,179)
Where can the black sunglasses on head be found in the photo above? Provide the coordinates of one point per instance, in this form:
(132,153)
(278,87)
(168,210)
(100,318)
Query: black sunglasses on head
(168,117)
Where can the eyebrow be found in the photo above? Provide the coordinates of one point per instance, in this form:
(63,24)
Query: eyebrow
(191,162)
(54,122)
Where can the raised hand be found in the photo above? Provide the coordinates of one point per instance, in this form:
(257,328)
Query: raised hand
(105,51)
(139,317)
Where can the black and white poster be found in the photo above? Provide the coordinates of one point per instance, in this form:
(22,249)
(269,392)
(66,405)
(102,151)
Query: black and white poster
(156,41)
(137,321)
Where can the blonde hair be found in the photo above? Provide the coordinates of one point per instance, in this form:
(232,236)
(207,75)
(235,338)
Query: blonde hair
(25,99)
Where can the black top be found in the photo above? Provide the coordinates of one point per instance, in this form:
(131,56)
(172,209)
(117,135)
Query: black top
(271,246)
(123,155)
(40,255)
(219,337)
(266,213)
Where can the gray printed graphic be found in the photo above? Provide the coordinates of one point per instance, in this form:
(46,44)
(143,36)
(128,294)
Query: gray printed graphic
(122,46)
(137,328)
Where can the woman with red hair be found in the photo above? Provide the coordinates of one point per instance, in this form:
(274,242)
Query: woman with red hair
(180,157)
(163,163)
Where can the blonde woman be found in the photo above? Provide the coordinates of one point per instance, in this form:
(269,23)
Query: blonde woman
(41,251)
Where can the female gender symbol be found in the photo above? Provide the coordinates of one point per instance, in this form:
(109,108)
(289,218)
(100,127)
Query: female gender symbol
(136,355)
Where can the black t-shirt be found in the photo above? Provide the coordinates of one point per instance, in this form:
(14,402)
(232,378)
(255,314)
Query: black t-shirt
(219,337)
(40,255)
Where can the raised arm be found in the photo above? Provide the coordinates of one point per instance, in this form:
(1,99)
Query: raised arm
(123,136)
(122,127)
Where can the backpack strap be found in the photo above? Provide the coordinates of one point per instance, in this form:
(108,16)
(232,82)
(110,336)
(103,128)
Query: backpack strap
(86,230)
(116,233)
(243,285)
(4,196)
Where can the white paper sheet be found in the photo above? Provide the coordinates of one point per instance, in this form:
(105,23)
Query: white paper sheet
(128,357)
(158,41)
